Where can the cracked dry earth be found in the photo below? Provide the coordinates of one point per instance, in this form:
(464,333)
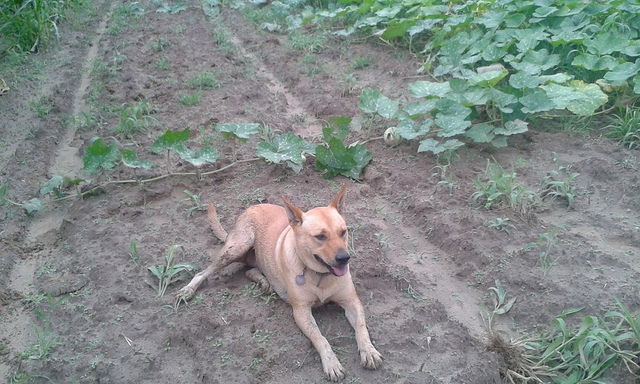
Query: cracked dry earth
(422,257)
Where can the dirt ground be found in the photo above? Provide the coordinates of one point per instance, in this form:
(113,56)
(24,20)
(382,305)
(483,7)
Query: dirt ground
(422,257)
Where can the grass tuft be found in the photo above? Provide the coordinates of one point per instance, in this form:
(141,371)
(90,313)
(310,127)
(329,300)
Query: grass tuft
(625,128)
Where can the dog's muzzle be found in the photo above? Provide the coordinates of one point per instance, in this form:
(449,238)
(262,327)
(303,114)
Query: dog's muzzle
(341,261)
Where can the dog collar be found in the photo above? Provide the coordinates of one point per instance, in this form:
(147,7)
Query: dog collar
(301,279)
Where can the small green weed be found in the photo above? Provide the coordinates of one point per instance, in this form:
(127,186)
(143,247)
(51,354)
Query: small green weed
(171,272)
(448,180)
(196,202)
(42,106)
(117,63)
(500,305)
(362,62)
(261,336)
(501,224)
(35,298)
(225,357)
(122,16)
(252,197)
(558,185)
(134,253)
(255,363)
(84,121)
(204,80)
(135,118)
(46,269)
(625,128)
(159,44)
(163,64)
(190,99)
(223,40)
(47,339)
(545,242)
(383,240)
(501,189)
(307,42)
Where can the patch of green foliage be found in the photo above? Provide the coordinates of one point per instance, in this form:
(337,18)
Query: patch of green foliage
(27,25)
(333,158)
(501,61)
(582,354)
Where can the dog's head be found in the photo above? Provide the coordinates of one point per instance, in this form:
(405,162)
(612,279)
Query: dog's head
(321,236)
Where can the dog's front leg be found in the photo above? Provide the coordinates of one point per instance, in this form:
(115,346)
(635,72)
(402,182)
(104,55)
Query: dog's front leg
(370,358)
(330,364)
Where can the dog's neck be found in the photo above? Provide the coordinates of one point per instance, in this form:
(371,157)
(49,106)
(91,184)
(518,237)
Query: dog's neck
(301,279)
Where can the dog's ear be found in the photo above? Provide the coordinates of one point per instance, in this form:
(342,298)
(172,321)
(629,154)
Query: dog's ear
(294,213)
(338,201)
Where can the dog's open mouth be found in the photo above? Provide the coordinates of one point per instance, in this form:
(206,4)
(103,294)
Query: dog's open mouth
(336,271)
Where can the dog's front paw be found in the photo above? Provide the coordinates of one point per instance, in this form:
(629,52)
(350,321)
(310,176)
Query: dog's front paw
(185,293)
(370,358)
(334,370)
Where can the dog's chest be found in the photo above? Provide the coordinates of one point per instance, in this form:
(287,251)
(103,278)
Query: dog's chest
(317,295)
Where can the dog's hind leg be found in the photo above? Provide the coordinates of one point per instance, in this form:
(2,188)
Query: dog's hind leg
(239,241)
(255,275)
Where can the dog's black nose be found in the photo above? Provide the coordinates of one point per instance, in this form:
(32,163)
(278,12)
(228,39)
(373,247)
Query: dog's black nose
(342,257)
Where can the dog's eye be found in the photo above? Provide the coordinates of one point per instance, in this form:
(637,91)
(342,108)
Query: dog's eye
(321,237)
(343,233)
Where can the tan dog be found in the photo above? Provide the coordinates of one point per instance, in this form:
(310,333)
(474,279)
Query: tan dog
(302,256)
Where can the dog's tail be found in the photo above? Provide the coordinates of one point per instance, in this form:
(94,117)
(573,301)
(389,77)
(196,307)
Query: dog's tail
(217,229)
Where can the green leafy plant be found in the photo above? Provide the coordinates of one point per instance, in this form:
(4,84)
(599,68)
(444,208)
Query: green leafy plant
(501,189)
(307,42)
(445,179)
(84,121)
(500,305)
(175,141)
(100,156)
(131,160)
(545,242)
(287,149)
(53,186)
(501,224)
(171,272)
(135,118)
(580,354)
(173,8)
(334,158)
(196,203)
(237,132)
(558,185)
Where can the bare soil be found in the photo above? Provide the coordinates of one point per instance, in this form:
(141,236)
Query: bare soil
(423,257)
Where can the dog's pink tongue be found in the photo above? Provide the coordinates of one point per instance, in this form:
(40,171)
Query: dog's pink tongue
(340,271)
